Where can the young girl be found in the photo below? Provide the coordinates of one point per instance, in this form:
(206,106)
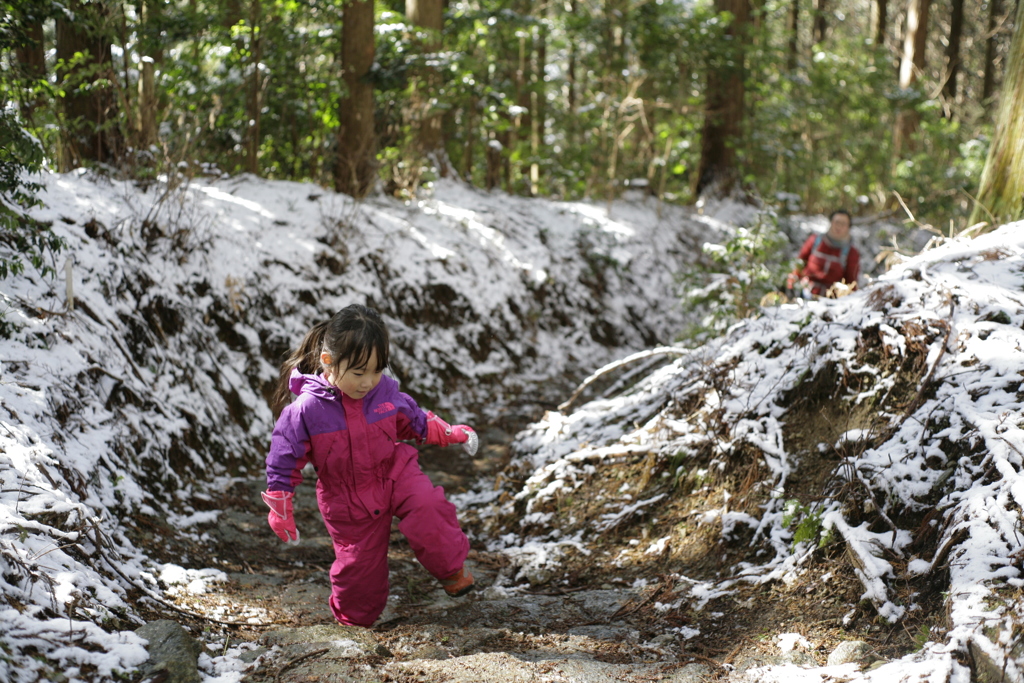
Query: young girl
(347,422)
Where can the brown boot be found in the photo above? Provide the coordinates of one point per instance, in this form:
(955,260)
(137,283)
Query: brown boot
(459,583)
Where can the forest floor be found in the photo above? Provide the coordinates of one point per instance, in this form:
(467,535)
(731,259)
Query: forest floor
(602,622)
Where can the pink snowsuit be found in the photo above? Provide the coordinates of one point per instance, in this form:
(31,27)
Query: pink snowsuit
(364,479)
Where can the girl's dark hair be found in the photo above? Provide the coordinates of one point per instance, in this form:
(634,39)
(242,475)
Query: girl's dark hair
(837,212)
(351,336)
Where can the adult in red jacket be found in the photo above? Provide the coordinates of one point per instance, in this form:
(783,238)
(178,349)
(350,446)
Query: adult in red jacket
(827,259)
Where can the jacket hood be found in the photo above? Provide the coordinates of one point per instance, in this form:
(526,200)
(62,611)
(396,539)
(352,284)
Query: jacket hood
(315,385)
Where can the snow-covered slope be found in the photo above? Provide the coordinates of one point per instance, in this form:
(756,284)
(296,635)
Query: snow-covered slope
(890,419)
(185,299)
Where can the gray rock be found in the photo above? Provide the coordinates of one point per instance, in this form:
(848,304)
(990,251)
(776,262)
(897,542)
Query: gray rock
(250,656)
(798,657)
(605,632)
(173,653)
(334,636)
(691,673)
(851,651)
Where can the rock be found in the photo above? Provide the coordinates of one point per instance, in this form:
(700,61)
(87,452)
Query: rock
(334,636)
(173,653)
(851,651)
(691,673)
(798,657)
(250,656)
(605,632)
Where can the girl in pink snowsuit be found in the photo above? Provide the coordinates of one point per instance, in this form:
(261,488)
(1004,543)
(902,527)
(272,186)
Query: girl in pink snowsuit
(346,421)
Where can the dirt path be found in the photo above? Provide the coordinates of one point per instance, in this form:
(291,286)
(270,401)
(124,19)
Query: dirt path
(269,612)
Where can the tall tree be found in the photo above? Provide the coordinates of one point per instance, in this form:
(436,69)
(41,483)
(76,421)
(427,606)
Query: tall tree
(956,29)
(83,49)
(988,87)
(820,20)
(31,56)
(723,117)
(151,52)
(879,21)
(793,29)
(913,63)
(428,15)
(355,167)
(256,86)
(1001,194)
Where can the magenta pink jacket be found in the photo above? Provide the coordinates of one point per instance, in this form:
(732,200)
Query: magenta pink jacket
(351,443)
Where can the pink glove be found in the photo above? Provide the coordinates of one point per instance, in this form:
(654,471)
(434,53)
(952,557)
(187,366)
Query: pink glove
(441,433)
(280,516)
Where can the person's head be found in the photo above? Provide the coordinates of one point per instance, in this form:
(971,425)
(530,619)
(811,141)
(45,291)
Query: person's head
(840,222)
(351,348)
(354,352)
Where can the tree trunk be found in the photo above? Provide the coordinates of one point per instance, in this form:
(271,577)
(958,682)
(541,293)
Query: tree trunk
(355,167)
(794,35)
(31,57)
(429,15)
(911,66)
(571,83)
(538,99)
(151,53)
(879,21)
(91,115)
(956,28)
(1001,193)
(723,118)
(988,87)
(820,20)
(254,102)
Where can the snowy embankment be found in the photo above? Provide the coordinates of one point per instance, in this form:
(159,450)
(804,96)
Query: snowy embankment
(122,409)
(911,391)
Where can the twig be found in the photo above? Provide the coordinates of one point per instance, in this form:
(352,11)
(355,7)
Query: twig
(298,659)
(701,658)
(661,350)
(909,213)
(559,592)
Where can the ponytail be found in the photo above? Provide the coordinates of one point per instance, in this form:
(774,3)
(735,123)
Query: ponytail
(306,359)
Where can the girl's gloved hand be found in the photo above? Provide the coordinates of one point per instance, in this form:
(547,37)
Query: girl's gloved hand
(440,433)
(280,516)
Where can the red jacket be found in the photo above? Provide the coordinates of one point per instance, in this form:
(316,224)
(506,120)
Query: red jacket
(823,264)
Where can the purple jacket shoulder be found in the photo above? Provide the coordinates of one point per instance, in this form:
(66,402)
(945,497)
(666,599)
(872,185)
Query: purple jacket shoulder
(318,410)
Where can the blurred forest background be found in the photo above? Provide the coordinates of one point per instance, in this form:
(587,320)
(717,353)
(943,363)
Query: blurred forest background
(806,104)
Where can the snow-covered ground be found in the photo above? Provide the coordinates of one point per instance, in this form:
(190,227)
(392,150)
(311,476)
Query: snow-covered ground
(924,368)
(127,405)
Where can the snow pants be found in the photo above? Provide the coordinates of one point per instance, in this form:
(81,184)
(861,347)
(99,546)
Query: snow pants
(359,575)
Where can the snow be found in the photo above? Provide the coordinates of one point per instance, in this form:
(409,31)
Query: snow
(151,390)
(958,447)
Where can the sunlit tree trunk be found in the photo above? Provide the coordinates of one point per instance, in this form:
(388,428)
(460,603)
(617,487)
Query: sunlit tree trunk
(956,28)
(1001,194)
(911,66)
(90,109)
(988,87)
(723,119)
(428,15)
(355,167)
(537,105)
(152,55)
